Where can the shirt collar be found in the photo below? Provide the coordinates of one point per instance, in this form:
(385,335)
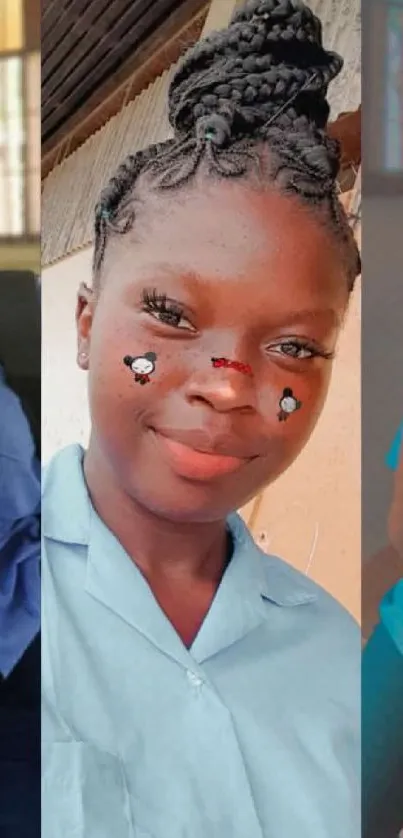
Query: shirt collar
(67,514)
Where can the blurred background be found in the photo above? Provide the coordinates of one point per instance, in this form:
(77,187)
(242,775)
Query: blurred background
(382,334)
(20,341)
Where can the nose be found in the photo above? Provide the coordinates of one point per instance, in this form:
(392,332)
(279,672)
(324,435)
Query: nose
(224,389)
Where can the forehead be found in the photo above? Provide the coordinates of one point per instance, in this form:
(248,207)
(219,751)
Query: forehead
(231,232)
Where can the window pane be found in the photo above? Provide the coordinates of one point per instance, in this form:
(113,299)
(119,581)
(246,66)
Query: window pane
(394,90)
(11,148)
(33,122)
(11,25)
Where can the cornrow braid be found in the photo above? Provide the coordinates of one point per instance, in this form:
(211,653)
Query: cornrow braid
(249,96)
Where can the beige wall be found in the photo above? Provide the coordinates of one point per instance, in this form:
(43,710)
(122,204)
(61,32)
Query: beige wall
(64,397)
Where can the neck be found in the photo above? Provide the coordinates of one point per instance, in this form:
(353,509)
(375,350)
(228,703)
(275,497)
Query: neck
(161,548)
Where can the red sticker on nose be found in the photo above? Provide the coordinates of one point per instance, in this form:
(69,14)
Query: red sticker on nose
(235,365)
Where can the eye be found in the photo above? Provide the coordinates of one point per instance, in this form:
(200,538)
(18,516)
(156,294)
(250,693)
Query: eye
(299,350)
(165,311)
(171,318)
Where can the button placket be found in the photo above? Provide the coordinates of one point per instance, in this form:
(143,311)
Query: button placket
(194,679)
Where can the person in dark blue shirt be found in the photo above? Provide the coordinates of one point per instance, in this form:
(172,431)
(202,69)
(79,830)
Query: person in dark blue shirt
(19,622)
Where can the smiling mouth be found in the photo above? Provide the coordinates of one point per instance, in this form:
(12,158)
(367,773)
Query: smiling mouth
(194,464)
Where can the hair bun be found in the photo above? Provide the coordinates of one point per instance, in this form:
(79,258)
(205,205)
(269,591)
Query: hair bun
(214,127)
(269,64)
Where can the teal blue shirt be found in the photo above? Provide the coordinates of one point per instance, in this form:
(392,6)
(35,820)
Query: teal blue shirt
(253,732)
(391,613)
(391,609)
(393,455)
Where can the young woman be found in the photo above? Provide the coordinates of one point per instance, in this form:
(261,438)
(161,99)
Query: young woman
(192,684)
(382,686)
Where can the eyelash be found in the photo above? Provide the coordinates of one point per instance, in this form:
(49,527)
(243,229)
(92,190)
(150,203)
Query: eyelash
(171,313)
(300,346)
(162,309)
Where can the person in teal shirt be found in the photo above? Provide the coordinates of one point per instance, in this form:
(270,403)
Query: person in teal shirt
(193,685)
(393,455)
(382,690)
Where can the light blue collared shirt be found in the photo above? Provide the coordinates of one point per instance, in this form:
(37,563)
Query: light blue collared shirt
(252,733)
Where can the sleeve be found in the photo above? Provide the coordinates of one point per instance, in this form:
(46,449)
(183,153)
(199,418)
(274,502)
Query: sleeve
(382,736)
(19,492)
(393,455)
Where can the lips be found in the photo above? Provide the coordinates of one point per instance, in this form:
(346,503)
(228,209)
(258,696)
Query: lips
(190,461)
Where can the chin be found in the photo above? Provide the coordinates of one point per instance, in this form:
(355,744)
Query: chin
(187,508)
(185,501)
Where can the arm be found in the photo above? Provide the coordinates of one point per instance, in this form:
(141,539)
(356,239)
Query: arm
(382,572)
(382,685)
(395,521)
(19,560)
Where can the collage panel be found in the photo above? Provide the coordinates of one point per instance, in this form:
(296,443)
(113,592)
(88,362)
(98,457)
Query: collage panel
(201,300)
(20,420)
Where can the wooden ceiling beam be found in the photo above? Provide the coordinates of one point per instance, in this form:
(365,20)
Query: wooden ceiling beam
(181,28)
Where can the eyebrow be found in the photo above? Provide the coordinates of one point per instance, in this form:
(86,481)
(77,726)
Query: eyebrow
(312,314)
(165,270)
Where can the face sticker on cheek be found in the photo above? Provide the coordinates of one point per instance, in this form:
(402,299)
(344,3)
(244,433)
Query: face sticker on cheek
(142,366)
(288,404)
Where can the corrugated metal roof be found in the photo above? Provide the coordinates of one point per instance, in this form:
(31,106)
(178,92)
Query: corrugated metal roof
(84,44)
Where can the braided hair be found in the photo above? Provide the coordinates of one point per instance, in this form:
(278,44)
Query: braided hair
(249,96)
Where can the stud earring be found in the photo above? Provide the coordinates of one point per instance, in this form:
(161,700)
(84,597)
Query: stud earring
(288,404)
(83,357)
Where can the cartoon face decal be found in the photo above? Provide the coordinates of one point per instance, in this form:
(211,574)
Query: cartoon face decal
(141,366)
(288,404)
(235,365)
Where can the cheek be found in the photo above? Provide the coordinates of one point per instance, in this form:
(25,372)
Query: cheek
(116,398)
(310,389)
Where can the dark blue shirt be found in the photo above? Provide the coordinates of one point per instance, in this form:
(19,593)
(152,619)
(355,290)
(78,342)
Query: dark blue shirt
(19,532)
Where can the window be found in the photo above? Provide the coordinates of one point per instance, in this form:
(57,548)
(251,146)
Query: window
(19,126)
(382,50)
(393,149)
(11,26)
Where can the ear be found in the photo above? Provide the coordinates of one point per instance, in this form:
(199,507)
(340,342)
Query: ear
(84,316)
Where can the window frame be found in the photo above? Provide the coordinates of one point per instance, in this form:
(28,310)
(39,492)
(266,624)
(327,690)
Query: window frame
(376,178)
(29,48)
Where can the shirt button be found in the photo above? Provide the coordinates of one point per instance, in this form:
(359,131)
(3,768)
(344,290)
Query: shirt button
(194,679)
